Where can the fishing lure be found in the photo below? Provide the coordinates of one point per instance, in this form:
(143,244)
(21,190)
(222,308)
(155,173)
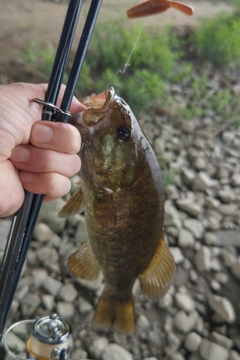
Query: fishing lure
(152,7)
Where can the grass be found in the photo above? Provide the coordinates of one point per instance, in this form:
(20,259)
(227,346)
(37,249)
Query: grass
(218,40)
(158,61)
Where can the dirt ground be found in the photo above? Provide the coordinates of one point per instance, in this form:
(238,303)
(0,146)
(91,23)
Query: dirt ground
(22,21)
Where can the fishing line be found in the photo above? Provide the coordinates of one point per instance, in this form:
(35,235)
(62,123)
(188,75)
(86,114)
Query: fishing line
(127,64)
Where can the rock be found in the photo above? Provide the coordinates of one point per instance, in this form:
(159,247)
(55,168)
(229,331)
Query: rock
(235,180)
(215,285)
(212,351)
(228,257)
(143,321)
(177,254)
(176,356)
(166,301)
(193,276)
(195,226)
(187,126)
(216,265)
(68,293)
(226,195)
(52,286)
(65,310)
(222,307)
(185,238)
(221,340)
(189,206)
(173,343)
(42,232)
(228,136)
(4,231)
(79,354)
(222,278)
(16,344)
(234,355)
(188,175)
(200,163)
(81,235)
(38,277)
(195,356)
(184,322)
(212,203)
(48,215)
(192,341)
(227,209)
(29,304)
(84,306)
(171,192)
(159,146)
(210,238)
(213,223)
(97,347)
(235,268)
(48,302)
(47,255)
(172,231)
(203,259)
(184,302)
(116,352)
(202,182)
(171,216)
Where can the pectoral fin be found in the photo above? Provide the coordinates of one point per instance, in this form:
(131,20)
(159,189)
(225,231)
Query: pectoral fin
(75,205)
(157,278)
(82,264)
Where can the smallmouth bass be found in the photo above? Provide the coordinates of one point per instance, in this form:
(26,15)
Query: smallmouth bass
(122,195)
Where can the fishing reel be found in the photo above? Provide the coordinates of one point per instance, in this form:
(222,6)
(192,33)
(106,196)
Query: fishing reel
(47,338)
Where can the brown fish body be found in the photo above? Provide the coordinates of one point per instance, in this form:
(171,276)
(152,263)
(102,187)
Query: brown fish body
(124,210)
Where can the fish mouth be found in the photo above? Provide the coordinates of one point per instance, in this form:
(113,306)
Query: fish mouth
(95,116)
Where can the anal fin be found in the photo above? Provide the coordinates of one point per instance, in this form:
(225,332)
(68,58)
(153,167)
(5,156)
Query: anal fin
(157,278)
(82,264)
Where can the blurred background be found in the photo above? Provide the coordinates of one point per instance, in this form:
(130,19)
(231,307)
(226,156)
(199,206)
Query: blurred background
(183,84)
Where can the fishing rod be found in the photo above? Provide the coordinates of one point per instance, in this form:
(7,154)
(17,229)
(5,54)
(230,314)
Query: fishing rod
(25,218)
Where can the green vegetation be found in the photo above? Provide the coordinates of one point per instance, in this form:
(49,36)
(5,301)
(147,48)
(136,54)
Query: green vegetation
(159,60)
(40,60)
(218,40)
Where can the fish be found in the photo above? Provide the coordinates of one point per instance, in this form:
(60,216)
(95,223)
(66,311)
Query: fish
(122,194)
(152,7)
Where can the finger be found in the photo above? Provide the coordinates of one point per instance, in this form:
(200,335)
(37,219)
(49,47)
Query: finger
(32,159)
(56,136)
(52,185)
(11,190)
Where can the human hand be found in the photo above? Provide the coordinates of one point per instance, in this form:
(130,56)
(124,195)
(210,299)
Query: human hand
(35,155)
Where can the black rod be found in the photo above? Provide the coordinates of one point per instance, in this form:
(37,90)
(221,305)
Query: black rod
(62,55)
(25,219)
(81,53)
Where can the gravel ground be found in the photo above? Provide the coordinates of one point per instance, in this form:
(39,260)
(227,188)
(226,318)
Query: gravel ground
(199,318)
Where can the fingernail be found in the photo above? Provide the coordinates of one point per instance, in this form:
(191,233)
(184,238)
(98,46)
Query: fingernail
(25,177)
(42,133)
(20,154)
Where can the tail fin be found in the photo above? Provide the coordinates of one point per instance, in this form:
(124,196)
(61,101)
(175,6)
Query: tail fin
(119,314)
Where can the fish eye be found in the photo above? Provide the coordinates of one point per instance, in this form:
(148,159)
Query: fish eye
(123,133)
